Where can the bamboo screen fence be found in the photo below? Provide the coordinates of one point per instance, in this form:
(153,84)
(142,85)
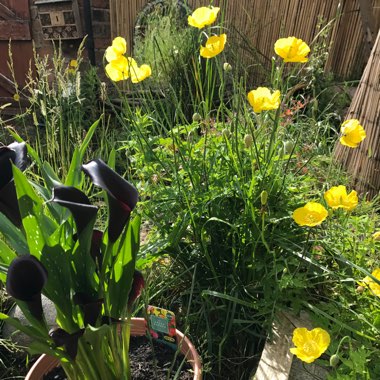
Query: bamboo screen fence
(364,162)
(261,22)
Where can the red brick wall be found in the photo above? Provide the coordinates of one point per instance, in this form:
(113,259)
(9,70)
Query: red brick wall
(100,25)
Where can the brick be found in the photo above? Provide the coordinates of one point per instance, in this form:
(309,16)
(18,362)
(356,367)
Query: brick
(100,15)
(102,30)
(104,4)
(102,43)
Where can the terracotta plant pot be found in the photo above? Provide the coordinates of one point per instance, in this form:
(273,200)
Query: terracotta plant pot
(46,363)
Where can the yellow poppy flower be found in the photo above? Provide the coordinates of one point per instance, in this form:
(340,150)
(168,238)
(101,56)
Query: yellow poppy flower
(214,46)
(118,69)
(312,214)
(138,74)
(376,236)
(203,16)
(310,345)
(292,49)
(74,63)
(261,99)
(116,50)
(367,281)
(337,197)
(352,133)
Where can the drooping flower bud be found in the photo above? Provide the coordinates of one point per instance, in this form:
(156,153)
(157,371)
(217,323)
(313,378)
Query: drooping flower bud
(264,197)
(197,117)
(226,133)
(137,287)
(288,146)
(334,360)
(25,280)
(69,341)
(227,67)
(248,140)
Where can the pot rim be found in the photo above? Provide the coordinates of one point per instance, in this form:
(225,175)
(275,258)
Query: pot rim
(46,363)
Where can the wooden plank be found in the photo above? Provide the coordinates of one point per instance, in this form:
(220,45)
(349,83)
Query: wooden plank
(15,30)
(6,13)
(368,22)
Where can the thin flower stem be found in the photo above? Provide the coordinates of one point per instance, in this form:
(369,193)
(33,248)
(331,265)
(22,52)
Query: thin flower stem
(125,335)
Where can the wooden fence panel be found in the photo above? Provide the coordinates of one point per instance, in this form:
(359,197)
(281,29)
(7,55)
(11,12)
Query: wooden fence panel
(363,163)
(262,22)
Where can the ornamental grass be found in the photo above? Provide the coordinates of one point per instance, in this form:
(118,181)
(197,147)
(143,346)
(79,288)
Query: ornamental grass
(246,213)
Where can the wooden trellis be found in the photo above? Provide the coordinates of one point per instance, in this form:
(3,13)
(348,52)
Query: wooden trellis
(364,162)
(262,22)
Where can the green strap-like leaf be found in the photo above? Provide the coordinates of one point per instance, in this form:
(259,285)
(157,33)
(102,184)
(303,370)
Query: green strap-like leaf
(13,235)
(120,282)
(74,176)
(38,226)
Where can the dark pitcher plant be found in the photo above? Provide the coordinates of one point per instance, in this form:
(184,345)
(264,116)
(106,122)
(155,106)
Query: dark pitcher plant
(49,246)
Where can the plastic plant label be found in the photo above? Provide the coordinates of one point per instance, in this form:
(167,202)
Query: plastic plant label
(162,325)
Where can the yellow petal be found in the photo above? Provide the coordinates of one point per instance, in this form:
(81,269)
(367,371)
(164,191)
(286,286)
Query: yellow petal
(119,45)
(321,337)
(118,69)
(261,99)
(337,197)
(113,73)
(352,133)
(302,355)
(138,74)
(111,54)
(300,336)
(312,214)
(292,49)
(214,46)
(310,345)
(374,286)
(203,16)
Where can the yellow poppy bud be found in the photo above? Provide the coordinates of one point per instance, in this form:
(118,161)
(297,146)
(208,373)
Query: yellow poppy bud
(197,117)
(334,360)
(227,67)
(226,133)
(248,140)
(264,197)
